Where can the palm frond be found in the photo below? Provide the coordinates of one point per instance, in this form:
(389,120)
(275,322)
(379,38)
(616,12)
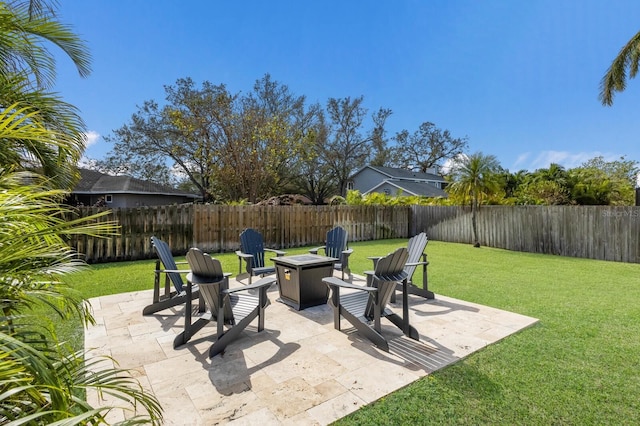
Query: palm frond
(23,38)
(615,80)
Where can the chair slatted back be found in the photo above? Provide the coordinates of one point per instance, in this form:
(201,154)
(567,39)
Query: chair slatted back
(389,271)
(251,242)
(166,257)
(336,242)
(207,273)
(416,247)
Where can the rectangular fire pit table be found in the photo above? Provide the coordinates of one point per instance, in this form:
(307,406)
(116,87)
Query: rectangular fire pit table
(300,279)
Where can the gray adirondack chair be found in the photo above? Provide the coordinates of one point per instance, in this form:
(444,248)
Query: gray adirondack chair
(365,307)
(337,246)
(234,308)
(173,276)
(252,253)
(417,257)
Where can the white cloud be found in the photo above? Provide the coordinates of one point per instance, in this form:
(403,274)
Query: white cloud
(87,163)
(521,159)
(92,137)
(449,164)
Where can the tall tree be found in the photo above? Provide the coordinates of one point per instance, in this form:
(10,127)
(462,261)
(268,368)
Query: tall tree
(272,130)
(475,177)
(188,133)
(381,153)
(615,80)
(230,146)
(349,146)
(315,179)
(427,147)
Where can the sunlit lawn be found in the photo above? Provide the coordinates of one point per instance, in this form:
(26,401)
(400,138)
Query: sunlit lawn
(579,365)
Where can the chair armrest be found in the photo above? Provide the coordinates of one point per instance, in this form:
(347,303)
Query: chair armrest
(277,252)
(416,263)
(374,259)
(263,282)
(244,255)
(195,280)
(344,258)
(337,282)
(179,271)
(315,250)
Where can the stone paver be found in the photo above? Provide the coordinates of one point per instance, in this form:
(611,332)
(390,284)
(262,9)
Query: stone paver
(299,370)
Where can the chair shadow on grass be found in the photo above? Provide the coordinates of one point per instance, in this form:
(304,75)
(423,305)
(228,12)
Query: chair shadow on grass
(229,372)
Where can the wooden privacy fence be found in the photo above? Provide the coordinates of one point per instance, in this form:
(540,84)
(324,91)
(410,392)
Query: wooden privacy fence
(216,228)
(594,232)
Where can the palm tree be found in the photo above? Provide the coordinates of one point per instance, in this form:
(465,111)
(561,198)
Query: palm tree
(474,177)
(27,70)
(615,80)
(42,380)
(40,377)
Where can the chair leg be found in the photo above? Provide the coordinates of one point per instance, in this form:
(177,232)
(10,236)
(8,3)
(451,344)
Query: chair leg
(167,285)
(174,300)
(334,301)
(231,334)
(202,305)
(399,322)
(263,302)
(189,329)
(183,337)
(403,323)
(376,314)
(374,336)
(156,284)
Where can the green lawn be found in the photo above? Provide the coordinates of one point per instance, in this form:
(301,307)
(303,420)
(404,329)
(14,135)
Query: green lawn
(579,365)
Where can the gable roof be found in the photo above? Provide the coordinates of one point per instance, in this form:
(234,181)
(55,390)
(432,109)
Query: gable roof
(394,173)
(412,188)
(94,182)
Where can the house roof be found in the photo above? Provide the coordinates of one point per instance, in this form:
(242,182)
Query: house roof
(412,188)
(394,173)
(94,182)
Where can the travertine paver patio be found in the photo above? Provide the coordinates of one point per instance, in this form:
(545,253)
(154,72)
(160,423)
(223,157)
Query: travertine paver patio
(299,370)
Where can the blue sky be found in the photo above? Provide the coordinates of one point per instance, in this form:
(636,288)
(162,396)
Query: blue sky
(520,79)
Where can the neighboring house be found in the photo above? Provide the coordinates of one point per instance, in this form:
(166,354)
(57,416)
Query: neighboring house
(99,189)
(390,181)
